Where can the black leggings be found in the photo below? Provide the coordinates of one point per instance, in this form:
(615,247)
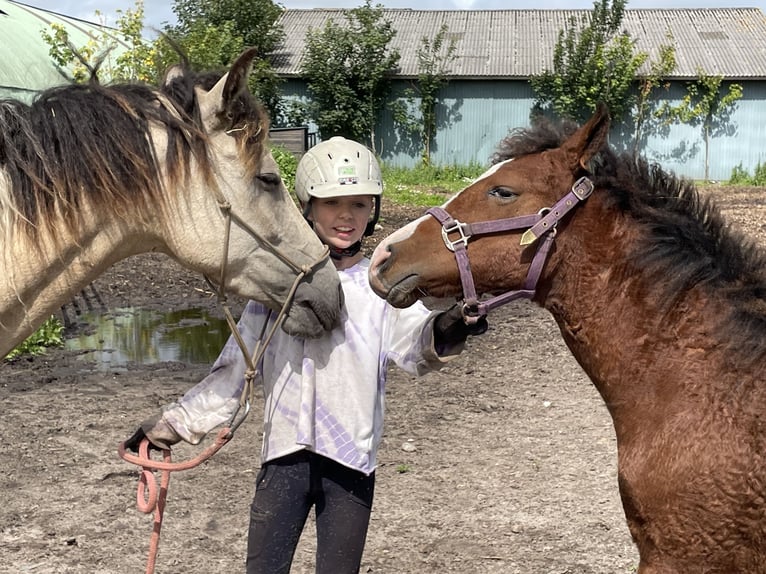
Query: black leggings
(285,491)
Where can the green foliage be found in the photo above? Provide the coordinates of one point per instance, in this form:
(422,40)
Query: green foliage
(210,46)
(592,62)
(659,70)
(348,72)
(759,177)
(740,176)
(50,334)
(139,62)
(427,185)
(213,32)
(287,163)
(703,101)
(705,104)
(403,468)
(434,59)
(253,21)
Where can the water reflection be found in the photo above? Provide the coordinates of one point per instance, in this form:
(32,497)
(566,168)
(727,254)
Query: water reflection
(130,335)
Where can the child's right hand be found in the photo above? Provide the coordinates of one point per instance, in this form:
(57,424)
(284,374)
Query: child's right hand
(450,327)
(160,434)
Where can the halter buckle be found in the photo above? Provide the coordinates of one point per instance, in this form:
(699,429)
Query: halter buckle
(582,188)
(455,226)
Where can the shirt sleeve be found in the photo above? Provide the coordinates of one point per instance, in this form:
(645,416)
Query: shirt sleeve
(410,335)
(216,398)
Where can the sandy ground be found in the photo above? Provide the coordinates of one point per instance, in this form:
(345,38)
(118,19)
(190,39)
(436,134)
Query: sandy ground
(504,462)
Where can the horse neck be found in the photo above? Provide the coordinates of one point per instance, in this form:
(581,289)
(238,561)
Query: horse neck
(36,280)
(617,327)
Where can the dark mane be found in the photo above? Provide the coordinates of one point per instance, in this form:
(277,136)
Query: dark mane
(93,142)
(687,241)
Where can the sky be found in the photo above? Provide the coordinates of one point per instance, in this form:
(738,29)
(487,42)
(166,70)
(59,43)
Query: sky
(157,12)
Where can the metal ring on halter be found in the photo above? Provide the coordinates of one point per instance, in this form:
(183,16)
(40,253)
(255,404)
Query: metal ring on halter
(455,226)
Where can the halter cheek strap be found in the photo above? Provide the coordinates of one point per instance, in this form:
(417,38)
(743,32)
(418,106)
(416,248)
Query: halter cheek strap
(540,225)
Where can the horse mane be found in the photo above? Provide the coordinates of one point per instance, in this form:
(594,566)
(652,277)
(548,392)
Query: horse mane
(686,240)
(95,143)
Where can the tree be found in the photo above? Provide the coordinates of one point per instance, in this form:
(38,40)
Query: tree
(434,59)
(704,104)
(348,72)
(659,70)
(213,32)
(592,62)
(138,62)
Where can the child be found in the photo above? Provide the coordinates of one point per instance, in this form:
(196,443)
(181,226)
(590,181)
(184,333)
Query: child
(324,397)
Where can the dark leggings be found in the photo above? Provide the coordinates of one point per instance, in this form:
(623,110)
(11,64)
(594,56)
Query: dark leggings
(285,491)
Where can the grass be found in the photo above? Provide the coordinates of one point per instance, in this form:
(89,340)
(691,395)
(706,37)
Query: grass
(426,186)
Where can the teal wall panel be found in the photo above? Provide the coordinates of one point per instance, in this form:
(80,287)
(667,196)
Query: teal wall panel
(473,116)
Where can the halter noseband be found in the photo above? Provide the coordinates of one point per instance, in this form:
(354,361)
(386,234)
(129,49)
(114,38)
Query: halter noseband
(539,225)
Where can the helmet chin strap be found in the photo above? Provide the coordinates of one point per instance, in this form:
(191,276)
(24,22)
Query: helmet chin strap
(350,251)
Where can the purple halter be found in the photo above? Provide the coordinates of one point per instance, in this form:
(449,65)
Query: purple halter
(538,225)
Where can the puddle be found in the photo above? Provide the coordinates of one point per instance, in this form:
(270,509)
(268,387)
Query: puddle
(130,335)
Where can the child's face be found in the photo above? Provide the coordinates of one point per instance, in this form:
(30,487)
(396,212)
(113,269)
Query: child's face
(340,221)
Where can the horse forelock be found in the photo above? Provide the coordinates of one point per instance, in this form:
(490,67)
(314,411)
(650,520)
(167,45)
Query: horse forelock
(542,135)
(245,119)
(685,240)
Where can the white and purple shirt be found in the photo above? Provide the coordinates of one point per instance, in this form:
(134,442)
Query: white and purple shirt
(325,395)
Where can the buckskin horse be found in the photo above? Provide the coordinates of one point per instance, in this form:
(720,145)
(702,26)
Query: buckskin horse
(91,174)
(660,301)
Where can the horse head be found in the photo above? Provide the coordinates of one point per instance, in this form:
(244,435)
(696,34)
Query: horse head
(91,174)
(467,244)
(250,237)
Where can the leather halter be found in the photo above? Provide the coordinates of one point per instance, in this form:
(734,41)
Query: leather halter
(541,225)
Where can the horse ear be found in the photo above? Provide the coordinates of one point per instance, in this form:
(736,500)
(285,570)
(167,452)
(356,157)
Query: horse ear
(222,95)
(589,139)
(172,73)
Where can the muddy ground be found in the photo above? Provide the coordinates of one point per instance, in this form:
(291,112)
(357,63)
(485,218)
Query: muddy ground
(504,462)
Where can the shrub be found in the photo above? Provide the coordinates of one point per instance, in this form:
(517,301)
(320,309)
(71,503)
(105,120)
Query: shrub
(50,334)
(739,176)
(760,174)
(287,163)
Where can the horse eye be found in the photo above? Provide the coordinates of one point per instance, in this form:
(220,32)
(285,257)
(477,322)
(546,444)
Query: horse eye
(269,179)
(502,193)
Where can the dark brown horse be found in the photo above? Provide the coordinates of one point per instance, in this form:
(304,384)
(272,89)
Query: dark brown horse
(659,300)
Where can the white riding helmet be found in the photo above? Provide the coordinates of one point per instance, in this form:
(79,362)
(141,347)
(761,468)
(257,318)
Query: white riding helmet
(337,167)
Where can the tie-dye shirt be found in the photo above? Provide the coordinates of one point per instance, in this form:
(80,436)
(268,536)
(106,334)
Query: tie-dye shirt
(327,394)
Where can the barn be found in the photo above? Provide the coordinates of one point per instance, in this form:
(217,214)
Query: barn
(499,50)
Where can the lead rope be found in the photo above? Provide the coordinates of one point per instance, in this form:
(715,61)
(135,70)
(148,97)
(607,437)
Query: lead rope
(148,498)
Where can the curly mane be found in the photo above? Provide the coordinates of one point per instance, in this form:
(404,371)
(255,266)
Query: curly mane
(687,242)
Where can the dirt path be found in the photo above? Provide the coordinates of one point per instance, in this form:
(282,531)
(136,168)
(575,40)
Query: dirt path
(504,462)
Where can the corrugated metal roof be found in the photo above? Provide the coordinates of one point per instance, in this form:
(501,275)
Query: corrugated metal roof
(25,65)
(519,43)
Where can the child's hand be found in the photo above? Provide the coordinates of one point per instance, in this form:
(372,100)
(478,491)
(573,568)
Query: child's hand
(160,435)
(450,328)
